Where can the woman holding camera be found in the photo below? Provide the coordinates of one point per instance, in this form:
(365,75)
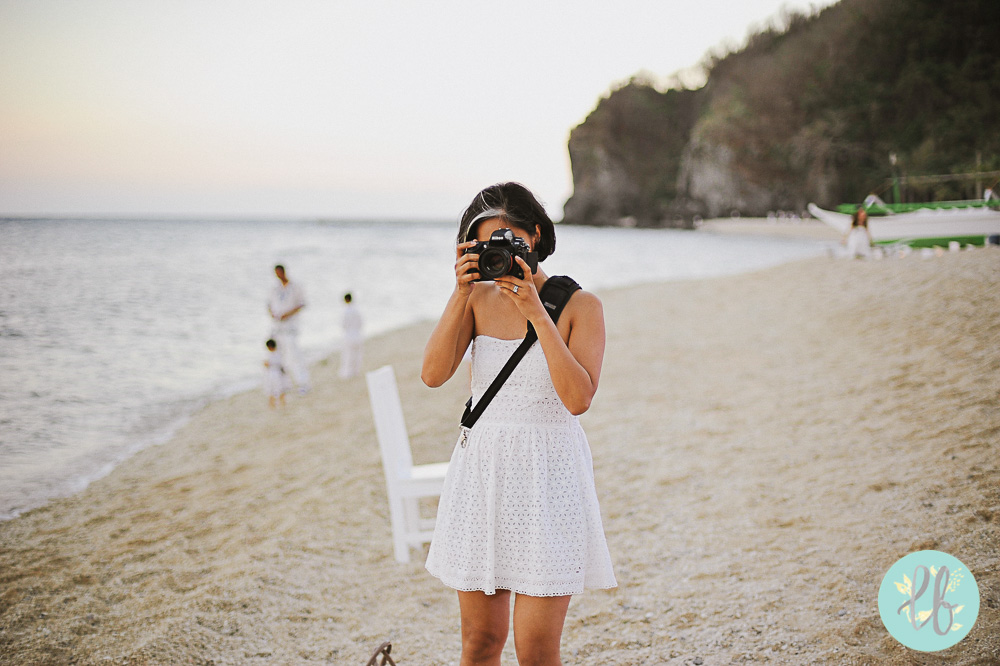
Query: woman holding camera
(519,512)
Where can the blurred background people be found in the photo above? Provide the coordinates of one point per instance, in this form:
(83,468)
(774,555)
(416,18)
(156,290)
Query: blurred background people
(285,304)
(859,239)
(275,380)
(350,355)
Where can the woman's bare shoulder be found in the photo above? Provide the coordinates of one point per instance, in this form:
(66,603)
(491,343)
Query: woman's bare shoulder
(584,306)
(585,301)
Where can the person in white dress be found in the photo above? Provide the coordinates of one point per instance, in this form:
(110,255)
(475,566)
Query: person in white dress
(518,513)
(859,238)
(284,305)
(352,352)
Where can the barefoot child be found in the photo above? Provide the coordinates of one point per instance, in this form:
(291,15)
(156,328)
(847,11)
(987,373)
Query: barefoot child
(275,379)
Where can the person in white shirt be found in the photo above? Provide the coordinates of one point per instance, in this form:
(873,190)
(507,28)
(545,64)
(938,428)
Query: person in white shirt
(350,355)
(284,305)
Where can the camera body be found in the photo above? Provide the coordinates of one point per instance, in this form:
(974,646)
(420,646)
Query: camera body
(496,256)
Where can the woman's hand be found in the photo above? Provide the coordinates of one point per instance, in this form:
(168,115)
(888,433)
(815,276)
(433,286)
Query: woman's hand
(523,293)
(466,268)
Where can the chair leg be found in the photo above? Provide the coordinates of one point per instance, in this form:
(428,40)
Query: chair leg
(397,517)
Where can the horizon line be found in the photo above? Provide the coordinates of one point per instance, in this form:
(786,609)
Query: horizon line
(218,217)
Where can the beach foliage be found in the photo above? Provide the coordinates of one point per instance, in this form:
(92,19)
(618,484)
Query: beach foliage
(820,106)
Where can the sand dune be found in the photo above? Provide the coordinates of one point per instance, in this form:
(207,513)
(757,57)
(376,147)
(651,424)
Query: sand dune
(766,446)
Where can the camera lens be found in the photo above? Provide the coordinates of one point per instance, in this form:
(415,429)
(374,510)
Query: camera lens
(494,263)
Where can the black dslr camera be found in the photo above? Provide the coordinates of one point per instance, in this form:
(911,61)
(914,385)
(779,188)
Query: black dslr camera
(496,256)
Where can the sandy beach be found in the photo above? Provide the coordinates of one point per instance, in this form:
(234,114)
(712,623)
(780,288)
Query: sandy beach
(766,446)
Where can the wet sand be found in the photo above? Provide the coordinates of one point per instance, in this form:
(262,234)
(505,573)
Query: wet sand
(766,446)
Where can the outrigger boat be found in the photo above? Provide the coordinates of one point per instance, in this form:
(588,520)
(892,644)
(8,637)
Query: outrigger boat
(965,222)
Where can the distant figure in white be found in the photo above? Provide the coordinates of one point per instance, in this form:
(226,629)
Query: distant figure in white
(859,239)
(871,200)
(275,380)
(350,355)
(285,303)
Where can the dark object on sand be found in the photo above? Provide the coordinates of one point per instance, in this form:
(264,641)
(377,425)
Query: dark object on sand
(382,651)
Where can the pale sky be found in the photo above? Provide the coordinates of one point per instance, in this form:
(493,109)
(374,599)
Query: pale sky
(329,109)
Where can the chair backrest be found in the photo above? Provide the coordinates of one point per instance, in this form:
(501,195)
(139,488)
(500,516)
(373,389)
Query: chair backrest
(390,428)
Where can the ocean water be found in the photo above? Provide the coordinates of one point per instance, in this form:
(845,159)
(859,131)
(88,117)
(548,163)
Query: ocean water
(112,332)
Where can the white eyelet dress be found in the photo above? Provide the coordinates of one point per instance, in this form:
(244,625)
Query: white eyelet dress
(519,509)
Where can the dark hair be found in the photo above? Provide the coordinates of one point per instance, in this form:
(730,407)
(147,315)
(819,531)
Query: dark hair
(856,220)
(271,344)
(519,208)
(279,267)
(347,297)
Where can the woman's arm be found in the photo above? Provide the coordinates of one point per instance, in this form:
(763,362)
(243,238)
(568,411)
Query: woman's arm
(574,364)
(453,333)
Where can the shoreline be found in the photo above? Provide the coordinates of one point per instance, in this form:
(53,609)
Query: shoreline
(262,537)
(803,229)
(163,418)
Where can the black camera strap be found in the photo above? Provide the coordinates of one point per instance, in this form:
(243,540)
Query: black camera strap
(555,293)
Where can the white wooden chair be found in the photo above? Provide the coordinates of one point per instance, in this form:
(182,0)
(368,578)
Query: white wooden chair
(405,482)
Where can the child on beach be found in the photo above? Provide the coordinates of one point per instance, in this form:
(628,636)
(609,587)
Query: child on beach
(275,380)
(350,356)
(518,513)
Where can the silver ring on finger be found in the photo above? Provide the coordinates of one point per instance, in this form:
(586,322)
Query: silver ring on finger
(514,289)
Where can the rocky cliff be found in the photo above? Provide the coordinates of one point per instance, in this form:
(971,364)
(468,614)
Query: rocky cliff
(807,112)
